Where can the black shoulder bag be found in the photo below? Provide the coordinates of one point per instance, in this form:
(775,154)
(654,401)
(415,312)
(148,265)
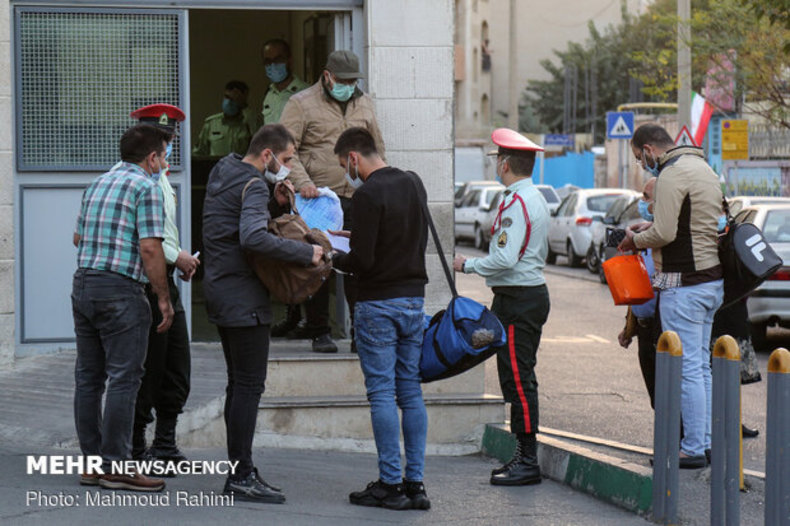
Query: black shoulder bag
(746,258)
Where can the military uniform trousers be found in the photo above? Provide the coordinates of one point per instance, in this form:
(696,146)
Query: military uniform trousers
(165,385)
(522,311)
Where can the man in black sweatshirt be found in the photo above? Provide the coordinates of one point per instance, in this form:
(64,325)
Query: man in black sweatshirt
(388,258)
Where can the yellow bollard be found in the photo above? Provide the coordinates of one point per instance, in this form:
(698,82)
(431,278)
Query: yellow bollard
(779,362)
(727,347)
(669,341)
(666,428)
(726,462)
(777,429)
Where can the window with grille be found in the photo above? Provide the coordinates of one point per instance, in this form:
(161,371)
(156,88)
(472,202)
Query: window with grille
(79,74)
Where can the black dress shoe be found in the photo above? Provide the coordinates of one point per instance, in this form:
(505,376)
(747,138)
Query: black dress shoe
(252,489)
(517,474)
(693,462)
(748,432)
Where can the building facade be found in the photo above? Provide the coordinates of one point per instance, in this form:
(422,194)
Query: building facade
(70,72)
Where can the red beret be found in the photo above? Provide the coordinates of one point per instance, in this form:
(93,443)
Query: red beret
(164,116)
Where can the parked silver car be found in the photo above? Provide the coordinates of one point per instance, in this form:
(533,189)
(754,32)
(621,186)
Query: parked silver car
(569,229)
(769,304)
(472,209)
(622,213)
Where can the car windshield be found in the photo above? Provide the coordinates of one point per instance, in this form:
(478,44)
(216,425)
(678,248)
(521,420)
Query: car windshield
(777,226)
(601,203)
(550,195)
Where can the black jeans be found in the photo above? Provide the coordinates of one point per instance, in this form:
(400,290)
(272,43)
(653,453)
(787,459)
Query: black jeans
(317,307)
(111,322)
(647,332)
(246,352)
(522,311)
(165,384)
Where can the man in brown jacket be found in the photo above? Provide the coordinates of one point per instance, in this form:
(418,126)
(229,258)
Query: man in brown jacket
(316,117)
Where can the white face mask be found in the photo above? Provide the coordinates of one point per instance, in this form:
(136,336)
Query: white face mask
(354,182)
(281,174)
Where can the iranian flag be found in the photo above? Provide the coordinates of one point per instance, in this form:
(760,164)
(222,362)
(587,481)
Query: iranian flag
(701,112)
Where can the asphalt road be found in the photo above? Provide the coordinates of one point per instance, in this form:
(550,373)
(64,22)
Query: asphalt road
(588,383)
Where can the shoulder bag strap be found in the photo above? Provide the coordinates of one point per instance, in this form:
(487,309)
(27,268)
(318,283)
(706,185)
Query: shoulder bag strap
(291,196)
(427,214)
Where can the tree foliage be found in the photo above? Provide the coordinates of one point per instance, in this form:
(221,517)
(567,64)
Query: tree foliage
(751,34)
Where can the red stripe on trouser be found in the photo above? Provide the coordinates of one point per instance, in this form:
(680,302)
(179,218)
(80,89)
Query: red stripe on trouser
(514,367)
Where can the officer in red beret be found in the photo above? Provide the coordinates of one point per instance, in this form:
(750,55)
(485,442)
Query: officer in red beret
(165,384)
(514,271)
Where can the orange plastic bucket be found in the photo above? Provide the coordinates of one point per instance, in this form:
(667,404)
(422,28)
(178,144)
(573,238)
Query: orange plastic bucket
(628,280)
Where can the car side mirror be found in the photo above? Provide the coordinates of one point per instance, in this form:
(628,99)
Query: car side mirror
(554,212)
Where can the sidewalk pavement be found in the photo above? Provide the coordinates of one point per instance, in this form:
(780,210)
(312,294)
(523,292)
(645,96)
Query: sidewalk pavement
(316,485)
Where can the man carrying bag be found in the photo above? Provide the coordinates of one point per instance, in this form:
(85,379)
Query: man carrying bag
(514,271)
(387,256)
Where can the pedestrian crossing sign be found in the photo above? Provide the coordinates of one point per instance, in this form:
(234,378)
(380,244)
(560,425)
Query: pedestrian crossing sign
(619,124)
(684,137)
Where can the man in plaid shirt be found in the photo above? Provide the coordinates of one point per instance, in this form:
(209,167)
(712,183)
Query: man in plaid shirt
(119,240)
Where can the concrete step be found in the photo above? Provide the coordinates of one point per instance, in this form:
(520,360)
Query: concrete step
(329,375)
(455,423)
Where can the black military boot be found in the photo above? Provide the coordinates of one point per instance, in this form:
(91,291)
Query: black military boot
(138,442)
(164,445)
(524,469)
(515,459)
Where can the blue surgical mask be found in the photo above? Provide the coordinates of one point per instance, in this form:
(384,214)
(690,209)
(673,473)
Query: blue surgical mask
(722,223)
(281,174)
(343,92)
(354,182)
(169,150)
(654,170)
(643,205)
(230,107)
(276,72)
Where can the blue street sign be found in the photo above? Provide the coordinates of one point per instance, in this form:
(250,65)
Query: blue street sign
(558,139)
(619,124)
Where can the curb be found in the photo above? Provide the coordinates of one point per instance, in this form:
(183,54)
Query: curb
(610,479)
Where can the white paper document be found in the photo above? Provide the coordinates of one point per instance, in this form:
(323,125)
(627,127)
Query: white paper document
(339,243)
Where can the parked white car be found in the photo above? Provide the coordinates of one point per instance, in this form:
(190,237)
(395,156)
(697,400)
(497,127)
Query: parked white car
(569,229)
(550,195)
(769,304)
(471,209)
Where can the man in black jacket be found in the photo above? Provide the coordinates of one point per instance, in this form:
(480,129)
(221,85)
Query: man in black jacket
(388,258)
(237,302)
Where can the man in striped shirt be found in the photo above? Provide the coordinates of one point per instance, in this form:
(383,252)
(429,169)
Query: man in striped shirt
(119,236)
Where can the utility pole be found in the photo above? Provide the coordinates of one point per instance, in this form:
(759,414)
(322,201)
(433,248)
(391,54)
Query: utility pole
(684,63)
(512,112)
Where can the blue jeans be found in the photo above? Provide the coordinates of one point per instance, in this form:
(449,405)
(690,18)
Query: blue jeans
(689,312)
(111,321)
(389,342)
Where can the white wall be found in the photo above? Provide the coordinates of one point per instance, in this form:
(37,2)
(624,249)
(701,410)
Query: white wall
(410,57)
(543,27)
(6,191)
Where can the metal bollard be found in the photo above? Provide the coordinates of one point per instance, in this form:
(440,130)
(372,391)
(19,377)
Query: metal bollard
(725,498)
(777,440)
(666,428)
